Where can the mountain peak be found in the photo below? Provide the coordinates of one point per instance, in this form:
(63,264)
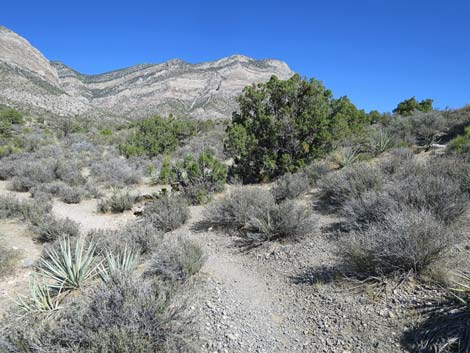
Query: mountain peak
(203,90)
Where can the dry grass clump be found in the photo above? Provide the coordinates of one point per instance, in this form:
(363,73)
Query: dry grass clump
(290,186)
(253,213)
(337,187)
(118,202)
(167,213)
(403,241)
(176,260)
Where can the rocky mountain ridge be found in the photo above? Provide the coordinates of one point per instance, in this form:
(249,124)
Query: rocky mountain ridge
(31,82)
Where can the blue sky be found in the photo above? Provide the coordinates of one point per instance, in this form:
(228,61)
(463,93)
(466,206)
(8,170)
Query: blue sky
(376,52)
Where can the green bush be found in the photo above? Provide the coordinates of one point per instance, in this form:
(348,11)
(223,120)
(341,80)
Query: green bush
(157,135)
(283,125)
(167,213)
(9,118)
(199,178)
(461,144)
(410,106)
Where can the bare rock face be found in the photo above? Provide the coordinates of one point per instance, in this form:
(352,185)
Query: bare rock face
(206,90)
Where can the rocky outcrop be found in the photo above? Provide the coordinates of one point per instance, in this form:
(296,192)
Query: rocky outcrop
(205,90)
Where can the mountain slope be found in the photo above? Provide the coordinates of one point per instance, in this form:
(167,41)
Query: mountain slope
(206,90)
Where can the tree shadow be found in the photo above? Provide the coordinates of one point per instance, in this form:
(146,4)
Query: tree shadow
(446,329)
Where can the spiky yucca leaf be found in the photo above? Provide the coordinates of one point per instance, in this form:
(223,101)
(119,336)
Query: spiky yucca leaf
(462,288)
(68,267)
(42,298)
(124,261)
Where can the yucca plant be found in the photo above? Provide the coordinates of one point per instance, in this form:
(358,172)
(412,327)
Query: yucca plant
(379,142)
(447,328)
(42,298)
(124,261)
(346,156)
(462,288)
(69,267)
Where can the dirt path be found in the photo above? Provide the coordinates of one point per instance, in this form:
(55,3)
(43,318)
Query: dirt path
(244,306)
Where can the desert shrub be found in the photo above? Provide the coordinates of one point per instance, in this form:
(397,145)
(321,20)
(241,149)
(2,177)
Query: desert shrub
(115,172)
(339,186)
(368,207)
(421,128)
(316,170)
(157,135)
(398,157)
(7,169)
(461,144)
(120,316)
(281,126)
(8,260)
(176,260)
(211,141)
(49,228)
(71,195)
(29,210)
(235,210)
(59,189)
(407,240)
(290,186)
(32,173)
(69,171)
(280,221)
(167,212)
(440,195)
(253,213)
(141,237)
(200,178)
(118,202)
(54,188)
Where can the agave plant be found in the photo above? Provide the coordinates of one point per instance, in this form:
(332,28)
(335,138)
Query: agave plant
(42,298)
(124,261)
(70,266)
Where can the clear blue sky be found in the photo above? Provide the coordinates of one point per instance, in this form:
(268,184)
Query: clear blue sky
(377,52)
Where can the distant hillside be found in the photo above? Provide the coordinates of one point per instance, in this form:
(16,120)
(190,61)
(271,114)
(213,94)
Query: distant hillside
(30,81)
